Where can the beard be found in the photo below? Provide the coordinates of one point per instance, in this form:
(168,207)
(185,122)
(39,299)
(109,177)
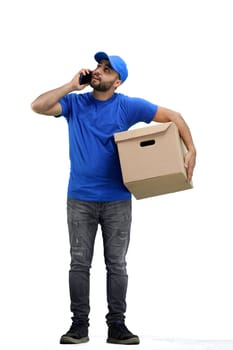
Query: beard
(103,87)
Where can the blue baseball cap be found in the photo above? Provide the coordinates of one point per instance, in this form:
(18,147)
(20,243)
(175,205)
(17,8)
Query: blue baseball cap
(116,62)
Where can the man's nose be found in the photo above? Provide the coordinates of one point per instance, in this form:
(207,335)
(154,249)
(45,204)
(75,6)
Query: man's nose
(96,72)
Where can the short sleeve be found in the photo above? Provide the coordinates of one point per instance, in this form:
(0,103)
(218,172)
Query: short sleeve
(66,106)
(139,110)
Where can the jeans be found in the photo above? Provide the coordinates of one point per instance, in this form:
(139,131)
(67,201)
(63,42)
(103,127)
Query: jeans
(114,219)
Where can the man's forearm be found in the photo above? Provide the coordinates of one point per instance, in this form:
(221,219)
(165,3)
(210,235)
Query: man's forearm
(47,100)
(185,132)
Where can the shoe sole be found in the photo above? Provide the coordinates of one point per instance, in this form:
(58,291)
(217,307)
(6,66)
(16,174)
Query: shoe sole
(130,341)
(65,339)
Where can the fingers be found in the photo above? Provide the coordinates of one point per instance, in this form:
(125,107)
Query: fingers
(85,77)
(189,163)
(189,173)
(85,71)
(76,79)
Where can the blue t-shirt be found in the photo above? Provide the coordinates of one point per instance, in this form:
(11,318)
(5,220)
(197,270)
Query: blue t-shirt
(95,172)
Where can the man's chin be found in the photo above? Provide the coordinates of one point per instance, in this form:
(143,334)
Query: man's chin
(94,84)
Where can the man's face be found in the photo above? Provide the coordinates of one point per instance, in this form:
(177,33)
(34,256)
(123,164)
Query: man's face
(104,77)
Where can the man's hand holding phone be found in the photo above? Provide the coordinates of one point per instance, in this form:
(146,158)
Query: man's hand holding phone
(81,79)
(85,78)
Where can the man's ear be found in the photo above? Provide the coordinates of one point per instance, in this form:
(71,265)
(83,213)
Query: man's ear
(117,83)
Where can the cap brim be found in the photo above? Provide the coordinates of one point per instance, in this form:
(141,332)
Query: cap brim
(99,56)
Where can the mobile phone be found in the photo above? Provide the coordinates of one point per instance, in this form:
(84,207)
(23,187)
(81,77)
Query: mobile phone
(85,79)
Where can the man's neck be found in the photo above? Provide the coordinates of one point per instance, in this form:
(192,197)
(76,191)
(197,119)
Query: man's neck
(102,95)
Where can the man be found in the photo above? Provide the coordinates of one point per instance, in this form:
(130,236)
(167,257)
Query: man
(96,193)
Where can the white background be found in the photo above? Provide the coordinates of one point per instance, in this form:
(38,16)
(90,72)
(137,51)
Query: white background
(179,55)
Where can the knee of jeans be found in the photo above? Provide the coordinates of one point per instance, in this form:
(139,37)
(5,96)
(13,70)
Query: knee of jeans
(76,266)
(79,259)
(117,269)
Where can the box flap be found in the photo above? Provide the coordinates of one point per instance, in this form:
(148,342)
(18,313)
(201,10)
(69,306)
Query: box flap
(145,131)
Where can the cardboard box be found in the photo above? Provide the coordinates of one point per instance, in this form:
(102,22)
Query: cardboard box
(152,160)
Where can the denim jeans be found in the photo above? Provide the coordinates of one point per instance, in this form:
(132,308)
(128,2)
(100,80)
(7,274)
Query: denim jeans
(114,219)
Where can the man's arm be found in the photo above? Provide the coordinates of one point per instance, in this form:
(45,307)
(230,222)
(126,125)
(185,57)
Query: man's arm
(164,115)
(48,104)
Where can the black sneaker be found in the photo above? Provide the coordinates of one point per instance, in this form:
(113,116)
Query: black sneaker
(76,334)
(118,333)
